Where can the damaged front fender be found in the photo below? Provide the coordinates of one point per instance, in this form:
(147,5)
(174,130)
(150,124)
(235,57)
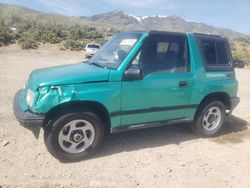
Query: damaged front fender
(51,96)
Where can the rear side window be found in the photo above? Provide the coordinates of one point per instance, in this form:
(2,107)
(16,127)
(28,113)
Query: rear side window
(216,53)
(222,55)
(209,52)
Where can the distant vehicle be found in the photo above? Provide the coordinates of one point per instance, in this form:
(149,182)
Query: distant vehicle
(91,49)
(239,63)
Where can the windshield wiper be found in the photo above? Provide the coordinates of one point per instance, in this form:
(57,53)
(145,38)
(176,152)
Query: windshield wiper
(96,64)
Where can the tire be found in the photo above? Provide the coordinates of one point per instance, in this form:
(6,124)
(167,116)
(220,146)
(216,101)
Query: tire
(209,118)
(74,136)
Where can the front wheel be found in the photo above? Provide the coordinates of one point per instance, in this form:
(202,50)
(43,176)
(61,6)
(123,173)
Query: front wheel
(74,136)
(209,118)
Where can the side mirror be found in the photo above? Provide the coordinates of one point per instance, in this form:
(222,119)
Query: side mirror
(132,74)
(238,64)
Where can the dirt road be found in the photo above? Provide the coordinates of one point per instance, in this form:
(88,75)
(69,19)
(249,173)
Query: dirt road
(170,156)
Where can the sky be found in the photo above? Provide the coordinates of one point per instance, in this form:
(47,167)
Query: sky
(232,14)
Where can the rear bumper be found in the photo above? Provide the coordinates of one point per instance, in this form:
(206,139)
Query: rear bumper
(27,119)
(234,102)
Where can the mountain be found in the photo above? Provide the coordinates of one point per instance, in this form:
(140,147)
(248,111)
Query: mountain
(13,15)
(165,23)
(118,19)
(16,16)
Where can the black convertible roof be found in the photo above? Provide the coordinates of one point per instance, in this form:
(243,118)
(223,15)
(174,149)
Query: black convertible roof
(153,32)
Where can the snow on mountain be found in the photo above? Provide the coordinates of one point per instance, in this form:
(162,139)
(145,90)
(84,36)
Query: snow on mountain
(141,18)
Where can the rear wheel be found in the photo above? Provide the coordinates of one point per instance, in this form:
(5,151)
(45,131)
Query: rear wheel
(209,118)
(74,136)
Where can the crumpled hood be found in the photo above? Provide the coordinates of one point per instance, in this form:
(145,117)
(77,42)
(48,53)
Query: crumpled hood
(68,74)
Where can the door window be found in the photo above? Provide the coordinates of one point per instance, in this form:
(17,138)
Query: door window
(163,54)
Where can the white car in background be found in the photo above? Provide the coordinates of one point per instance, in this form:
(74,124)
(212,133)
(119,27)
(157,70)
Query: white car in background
(91,49)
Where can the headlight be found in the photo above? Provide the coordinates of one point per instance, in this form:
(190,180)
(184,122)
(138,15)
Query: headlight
(30,97)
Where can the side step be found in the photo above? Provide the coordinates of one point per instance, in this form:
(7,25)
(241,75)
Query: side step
(150,125)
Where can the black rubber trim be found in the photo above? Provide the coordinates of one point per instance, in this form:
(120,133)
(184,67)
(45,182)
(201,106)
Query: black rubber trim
(230,75)
(152,124)
(155,32)
(234,102)
(154,109)
(89,82)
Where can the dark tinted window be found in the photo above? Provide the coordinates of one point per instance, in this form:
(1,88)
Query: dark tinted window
(164,54)
(222,53)
(215,52)
(93,46)
(209,52)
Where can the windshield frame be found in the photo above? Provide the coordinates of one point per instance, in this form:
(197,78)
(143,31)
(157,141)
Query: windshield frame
(119,64)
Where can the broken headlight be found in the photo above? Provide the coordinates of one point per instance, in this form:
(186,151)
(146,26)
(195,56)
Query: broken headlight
(30,97)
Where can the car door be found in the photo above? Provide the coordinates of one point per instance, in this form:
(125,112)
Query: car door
(164,92)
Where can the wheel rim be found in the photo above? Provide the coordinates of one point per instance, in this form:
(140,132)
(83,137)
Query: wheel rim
(211,119)
(76,136)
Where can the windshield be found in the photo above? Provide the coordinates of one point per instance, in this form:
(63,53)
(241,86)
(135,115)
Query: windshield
(93,46)
(112,54)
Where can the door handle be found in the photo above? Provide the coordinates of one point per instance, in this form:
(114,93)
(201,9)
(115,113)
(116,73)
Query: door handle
(183,84)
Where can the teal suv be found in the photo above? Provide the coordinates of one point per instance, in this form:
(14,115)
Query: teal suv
(136,80)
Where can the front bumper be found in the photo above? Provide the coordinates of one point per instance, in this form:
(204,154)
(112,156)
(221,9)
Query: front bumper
(89,55)
(234,102)
(27,119)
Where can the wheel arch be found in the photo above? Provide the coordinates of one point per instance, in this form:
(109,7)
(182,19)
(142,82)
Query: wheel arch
(75,106)
(221,96)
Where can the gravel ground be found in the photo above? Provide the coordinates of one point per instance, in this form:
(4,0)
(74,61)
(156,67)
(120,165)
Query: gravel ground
(170,156)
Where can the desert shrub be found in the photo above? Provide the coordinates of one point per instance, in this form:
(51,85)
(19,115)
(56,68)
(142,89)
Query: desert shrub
(80,34)
(59,31)
(27,42)
(242,55)
(95,35)
(243,40)
(241,49)
(29,36)
(50,37)
(101,41)
(6,36)
(73,44)
(77,34)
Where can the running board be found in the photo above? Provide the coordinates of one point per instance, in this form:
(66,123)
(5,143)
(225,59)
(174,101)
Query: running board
(150,125)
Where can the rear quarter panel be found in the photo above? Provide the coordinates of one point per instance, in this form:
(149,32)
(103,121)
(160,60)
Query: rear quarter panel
(207,82)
